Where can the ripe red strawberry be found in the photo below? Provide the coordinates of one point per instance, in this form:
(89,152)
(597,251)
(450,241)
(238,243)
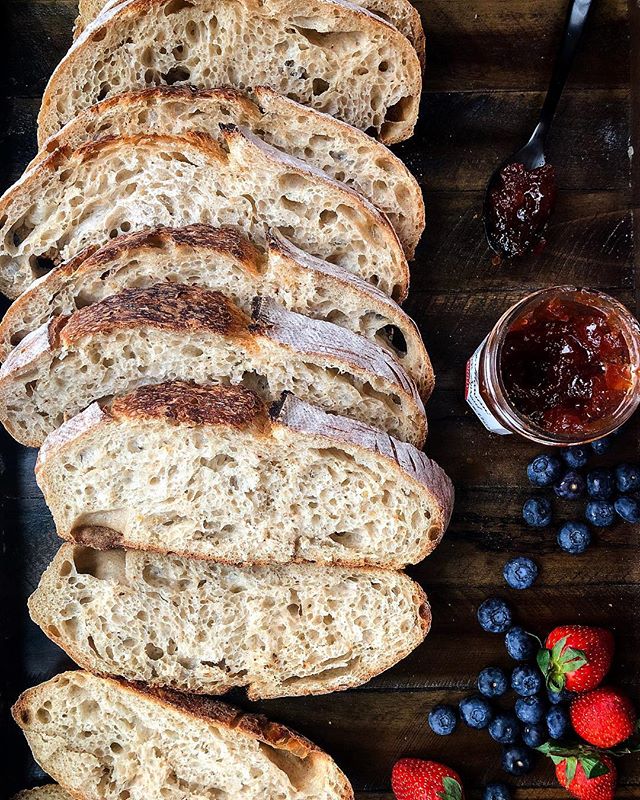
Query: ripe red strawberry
(573,775)
(415,779)
(576,657)
(604,717)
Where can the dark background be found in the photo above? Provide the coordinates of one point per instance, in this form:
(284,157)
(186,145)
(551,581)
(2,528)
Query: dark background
(488,62)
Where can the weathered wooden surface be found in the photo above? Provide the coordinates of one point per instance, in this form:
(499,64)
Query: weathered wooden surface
(488,64)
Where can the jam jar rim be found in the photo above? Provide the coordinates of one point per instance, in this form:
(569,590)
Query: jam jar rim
(522,424)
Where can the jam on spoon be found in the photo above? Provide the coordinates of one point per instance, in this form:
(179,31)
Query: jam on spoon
(519,206)
(566,364)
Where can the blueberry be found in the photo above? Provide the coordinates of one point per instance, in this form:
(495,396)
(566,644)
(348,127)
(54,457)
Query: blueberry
(600,483)
(557,720)
(558,697)
(517,760)
(530,709)
(475,711)
(526,680)
(628,477)
(536,512)
(494,615)
(534,735)
(544,470)
(504,728)
(570,486)
(602,445)
(628,508)
(493,682)
(496,791)
(520,645)
(520,572)
(576,457)
(443,720)
(600,513)
(574,537)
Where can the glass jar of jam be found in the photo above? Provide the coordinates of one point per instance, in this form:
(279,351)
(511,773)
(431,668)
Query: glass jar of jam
(561,367)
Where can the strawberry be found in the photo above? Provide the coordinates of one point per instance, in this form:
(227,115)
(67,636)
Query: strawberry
(604,717)
(415,779)
(588,778)
(576,657)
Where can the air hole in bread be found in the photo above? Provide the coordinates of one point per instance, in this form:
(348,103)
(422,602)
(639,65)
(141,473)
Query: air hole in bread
(292,766)
(153,652)
(383,66)
(395,338)
(176,75)
(99,35)
(105,88)
(175,6)
(319,86)
(398,112)
(42,264)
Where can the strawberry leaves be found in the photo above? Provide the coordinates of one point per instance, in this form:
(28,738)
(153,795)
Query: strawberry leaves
(451,789)
(561,660)
(589,759)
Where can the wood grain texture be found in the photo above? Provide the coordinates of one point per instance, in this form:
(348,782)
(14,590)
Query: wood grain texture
(488,65)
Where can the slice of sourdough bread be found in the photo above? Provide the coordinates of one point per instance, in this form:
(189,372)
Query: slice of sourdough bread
(222,259)
(343,152)
(187,624)
(205,471)
(50,791)
(328,54)
(102,739)
(172,331)
(400,13)
(88,196)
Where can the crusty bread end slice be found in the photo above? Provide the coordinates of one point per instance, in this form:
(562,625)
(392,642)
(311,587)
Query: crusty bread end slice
(173,331)
(145,743)
(195,626)
(341,151)
(204,471)
(222,260)
(89,196)
(328,54)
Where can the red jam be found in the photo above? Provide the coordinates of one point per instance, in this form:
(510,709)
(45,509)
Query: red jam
(520,205)
(566,365)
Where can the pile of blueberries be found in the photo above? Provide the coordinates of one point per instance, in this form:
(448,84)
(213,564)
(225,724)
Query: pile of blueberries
(610,493)
(536,716)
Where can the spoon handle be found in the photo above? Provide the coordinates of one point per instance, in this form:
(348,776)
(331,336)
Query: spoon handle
(576,18)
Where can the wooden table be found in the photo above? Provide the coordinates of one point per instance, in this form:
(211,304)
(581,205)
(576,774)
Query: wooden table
(488,63)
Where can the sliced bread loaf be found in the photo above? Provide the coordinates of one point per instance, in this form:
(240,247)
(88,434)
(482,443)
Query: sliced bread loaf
(173,331)
(328,54)
(344,153)
(206,472)
(88,196)
(103,739)
(400,13)
(284,630)
(223,260)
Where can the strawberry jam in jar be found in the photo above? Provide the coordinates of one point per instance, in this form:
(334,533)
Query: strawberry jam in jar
(560,367)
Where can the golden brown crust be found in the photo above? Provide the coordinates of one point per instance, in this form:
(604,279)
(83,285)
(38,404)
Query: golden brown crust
(165,306)
(188,403)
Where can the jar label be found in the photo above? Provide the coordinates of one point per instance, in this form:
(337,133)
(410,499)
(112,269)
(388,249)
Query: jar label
(474,398)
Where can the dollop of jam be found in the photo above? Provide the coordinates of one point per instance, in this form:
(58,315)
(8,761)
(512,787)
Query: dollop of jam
(519,208)
(566,365)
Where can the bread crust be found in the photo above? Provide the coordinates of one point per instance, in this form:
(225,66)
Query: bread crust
(349,16)
(207,709)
